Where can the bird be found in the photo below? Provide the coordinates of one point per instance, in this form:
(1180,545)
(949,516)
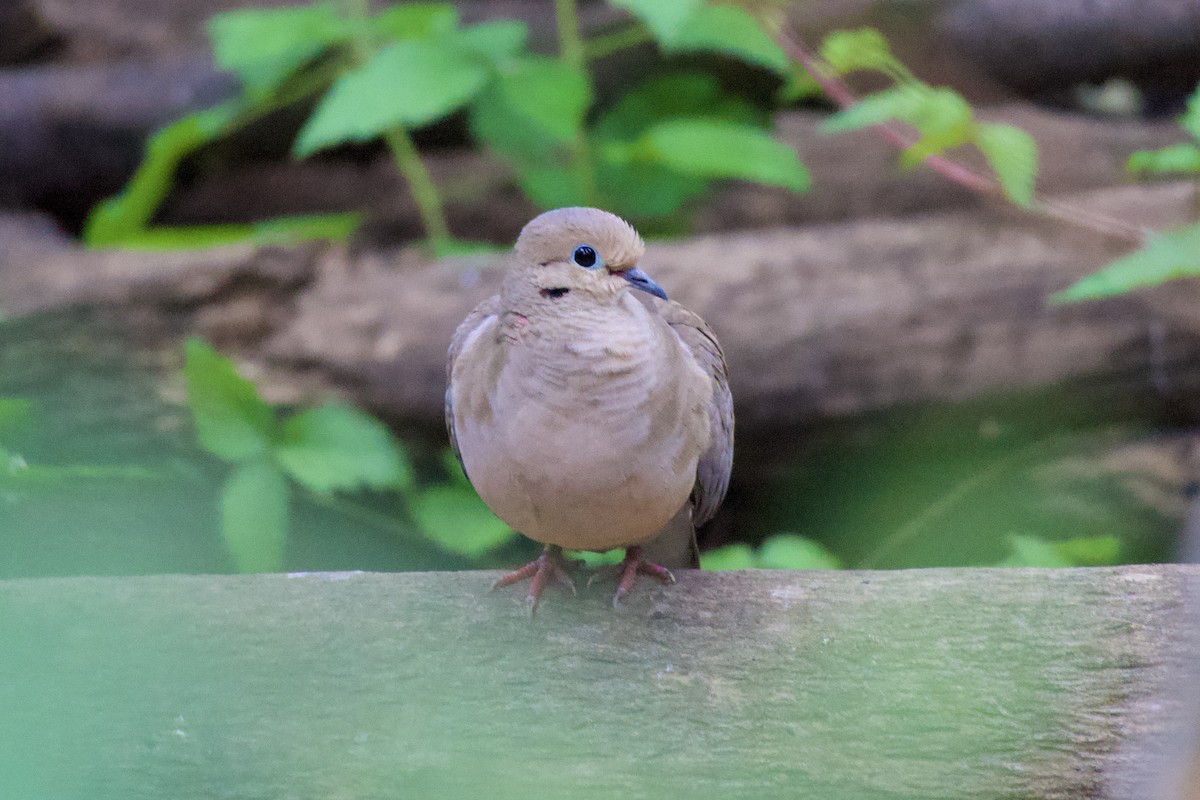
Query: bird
(588,410)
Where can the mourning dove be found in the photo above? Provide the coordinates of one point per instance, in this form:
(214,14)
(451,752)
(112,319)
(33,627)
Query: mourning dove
(588,410)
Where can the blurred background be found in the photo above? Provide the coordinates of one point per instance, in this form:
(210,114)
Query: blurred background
(225,174)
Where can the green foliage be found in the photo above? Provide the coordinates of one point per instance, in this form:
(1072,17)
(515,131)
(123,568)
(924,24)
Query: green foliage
(1084,551)
(722,149)
(941,117)
(732,31)
(232,421)
(337,448)
(380,76)
(331,448)
(1182,158)
(861,49)
(1165,256)
(666,20)
(264,47)
(453,516)
(128,213)
(254,512)
(328,449)
(409,84)
(1012,154)
(781,551)
(548,94)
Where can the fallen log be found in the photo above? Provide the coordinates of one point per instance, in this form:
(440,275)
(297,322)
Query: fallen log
(825,320)
(919,684)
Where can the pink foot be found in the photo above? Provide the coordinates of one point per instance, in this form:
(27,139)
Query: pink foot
(546,569)
(635,565)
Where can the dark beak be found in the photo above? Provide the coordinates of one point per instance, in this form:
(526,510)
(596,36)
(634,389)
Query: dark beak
(640,280)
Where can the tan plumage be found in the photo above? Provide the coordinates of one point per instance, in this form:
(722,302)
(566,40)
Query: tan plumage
(590,415)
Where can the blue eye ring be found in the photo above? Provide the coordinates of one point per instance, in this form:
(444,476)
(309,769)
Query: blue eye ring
(585,256)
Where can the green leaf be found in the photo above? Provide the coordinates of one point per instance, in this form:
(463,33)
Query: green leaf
(453,516)
(731,30)
(636,190)
(720,149)
(280,230)
(800,85)
(415,20)
(1191,117)
(551,186)
(664,18)
(1030,551)
(942,117)
(1012,155)
(127,213)
(410,83)
(232,421)
(454,469)
(1164,257)
(509,133)
(1083,551)
(899,102)
(1178,158)
(254,512)
(944,120)
(789,551)
(554,95)
(336,447)
(265,46)
(731,556)
(1091,551)
(680,94)
(496,41)
(864,48)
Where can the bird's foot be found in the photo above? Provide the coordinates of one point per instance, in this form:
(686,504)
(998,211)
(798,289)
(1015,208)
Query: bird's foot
(546,569)
(630,568)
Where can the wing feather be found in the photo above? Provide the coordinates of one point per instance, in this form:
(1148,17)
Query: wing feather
(470,327)
(712,473)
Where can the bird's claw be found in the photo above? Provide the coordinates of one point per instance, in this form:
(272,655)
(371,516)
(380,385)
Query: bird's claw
(546,569)
(634,565)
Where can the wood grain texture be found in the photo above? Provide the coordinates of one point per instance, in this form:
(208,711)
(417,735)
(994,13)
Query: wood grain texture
(921,684)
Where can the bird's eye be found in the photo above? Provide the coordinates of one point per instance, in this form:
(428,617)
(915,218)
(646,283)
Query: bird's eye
(586,256)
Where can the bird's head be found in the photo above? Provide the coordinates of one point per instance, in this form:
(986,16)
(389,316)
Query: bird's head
(581,252)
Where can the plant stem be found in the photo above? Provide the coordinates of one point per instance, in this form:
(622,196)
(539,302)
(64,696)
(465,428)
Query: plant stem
(837,91)
(399,141)
(429,202)
(571,52)
(610,43)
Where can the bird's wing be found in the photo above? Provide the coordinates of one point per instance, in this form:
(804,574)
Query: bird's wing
(712,473)
(484,315)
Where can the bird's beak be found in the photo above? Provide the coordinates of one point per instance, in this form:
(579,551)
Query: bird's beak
(640,280)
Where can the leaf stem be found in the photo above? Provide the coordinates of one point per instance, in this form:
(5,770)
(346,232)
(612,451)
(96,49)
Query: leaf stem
(400,143)
(420,183)
(609,43)
(571,52)
(842,96)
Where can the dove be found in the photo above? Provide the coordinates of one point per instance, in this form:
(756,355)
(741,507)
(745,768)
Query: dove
(588,410)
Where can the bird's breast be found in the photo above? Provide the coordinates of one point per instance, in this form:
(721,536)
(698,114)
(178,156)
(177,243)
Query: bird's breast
(590,441)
